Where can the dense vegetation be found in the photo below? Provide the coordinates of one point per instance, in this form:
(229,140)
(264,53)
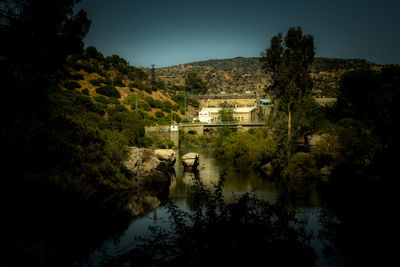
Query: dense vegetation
(64,145)
(354,158)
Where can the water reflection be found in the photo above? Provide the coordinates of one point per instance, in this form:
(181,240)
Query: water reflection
(239,180)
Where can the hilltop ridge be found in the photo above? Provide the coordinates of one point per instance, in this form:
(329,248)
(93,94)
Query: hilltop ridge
(241,74)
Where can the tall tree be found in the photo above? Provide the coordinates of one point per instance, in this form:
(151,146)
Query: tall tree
(195,84)
(35,38)
(289,61)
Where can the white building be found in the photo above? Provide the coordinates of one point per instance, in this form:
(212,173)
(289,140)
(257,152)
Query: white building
(242,114)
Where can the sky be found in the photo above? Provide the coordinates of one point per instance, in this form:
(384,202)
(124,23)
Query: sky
(173,32)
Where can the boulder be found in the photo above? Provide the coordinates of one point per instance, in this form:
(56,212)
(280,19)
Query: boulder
(150,167)
(190,161)
(151,172)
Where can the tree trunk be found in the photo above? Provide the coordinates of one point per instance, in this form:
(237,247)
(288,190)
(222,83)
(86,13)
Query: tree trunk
(289,126)
(289,137)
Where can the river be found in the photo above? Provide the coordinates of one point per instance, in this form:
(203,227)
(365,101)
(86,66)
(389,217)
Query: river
(239,180)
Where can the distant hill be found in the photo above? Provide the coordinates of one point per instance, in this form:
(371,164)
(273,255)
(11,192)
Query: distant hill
(238,75)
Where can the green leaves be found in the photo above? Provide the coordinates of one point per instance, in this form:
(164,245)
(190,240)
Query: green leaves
(108,90)
(195,84)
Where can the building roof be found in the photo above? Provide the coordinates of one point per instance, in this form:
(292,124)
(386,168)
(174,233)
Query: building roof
(235,110)
(243,110)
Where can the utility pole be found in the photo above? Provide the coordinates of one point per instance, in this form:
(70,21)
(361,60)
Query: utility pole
(185,102)
(153,71)
(258,102)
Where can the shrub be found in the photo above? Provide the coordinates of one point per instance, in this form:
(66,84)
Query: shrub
(219,233)
(71,85)
(301,169)
(136,84)
(77,77)
(159,114)
(108,90)
(166,106)
(96,82)
(85,91)
(101,99)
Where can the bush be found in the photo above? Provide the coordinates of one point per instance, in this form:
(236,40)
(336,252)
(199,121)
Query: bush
(77,77)
(159,114)
(108,90)
(166,106)
(301,170)
(96,82)
(71,85)
(85,91)
(137,84)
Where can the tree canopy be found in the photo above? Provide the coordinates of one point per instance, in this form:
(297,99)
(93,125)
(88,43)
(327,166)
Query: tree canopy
(194,84)
(289,61)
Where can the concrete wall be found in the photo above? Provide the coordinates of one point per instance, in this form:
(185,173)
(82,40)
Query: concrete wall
(174,136)
(199,129)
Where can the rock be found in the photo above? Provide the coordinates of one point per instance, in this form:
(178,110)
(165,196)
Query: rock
(151,169)
(167,159)
(151,172)
(190,161)
(168,155)
(268,169)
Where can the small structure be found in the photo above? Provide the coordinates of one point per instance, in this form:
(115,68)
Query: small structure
(174,134)
(190,161)
(266,103)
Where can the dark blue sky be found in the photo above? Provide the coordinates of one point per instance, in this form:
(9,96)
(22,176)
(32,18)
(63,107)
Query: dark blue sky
(172,32)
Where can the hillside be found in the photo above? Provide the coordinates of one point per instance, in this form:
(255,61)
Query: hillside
(238,75)
(112,84)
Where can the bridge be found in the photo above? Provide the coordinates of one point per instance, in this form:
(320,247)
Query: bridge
(200,128)
(172,131)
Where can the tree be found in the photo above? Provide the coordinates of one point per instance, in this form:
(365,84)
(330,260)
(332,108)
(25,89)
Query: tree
(195,84)
(289,62)
(226,114)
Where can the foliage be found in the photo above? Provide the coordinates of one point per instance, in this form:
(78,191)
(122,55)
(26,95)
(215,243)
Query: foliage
(301,170)
(77,77)
(180,99)
(194,140)
(96,82)
(92,53)
(289,62)
(159,114)
(71,85)
(108,90)
(254,148)
(133,99)
(226,115)
(217,233)
(365,158)
(194,84)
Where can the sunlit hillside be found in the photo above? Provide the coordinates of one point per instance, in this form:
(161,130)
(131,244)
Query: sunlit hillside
(238,75)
